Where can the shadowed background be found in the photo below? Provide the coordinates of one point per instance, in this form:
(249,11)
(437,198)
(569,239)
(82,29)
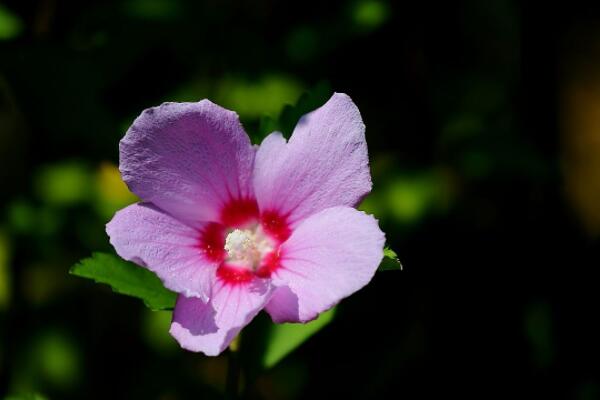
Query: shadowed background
(483,124)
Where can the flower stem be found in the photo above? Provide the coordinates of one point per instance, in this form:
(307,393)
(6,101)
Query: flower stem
(233,373)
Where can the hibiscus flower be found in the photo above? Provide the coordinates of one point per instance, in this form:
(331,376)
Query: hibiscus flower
(236,228)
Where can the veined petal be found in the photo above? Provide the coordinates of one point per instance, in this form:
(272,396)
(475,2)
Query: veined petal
(146,235)
(209,327)
(329,256)
(189,159)
(324,164)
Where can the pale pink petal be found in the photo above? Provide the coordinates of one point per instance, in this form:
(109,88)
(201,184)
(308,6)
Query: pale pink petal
(325,163)
(188,158)
(146,235)
(283,306)
(329,256)
(210,327)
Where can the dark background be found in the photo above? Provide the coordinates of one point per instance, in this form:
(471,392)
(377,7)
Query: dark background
(483,123)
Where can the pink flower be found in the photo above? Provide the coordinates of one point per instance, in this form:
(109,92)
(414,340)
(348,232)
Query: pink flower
(235,229)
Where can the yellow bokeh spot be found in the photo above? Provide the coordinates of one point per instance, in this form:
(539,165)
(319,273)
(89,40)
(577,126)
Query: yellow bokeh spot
(112,192)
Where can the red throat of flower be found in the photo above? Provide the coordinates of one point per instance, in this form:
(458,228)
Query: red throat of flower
(246,243)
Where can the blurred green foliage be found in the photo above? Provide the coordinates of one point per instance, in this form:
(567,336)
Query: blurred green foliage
(409,198)
(32,396)
(53,359)
(10,24)
(63,184)
(155,330)
(284,338)
(157,10)
(267,95)
(5,278)
(539,330)
(370,14)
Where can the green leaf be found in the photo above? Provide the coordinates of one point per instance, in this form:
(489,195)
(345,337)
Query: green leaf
(390,261)
(126,278)
(285,338)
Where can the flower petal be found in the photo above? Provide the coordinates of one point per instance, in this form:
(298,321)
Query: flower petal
(188,158)
(329,256)
(325,163)
(283,306)
(146,235)
(210,327)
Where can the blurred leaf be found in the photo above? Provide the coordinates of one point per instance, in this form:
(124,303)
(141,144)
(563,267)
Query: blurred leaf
(126,278)
(58,359)
(370,14)
(28,396)
(407,199)
(284,382)
(155,10)
(309,101)
(410,199)
(64,184)
(303,43)
(390,261)
(25,218)
(289,116)
(253,99)
(48,221)
(156,331)
(51,359)
(539,332)
(461,127)
(21,216)
(10,24)
(285,338)
(191,90)
(5,280)
(588,390)
(40,284)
